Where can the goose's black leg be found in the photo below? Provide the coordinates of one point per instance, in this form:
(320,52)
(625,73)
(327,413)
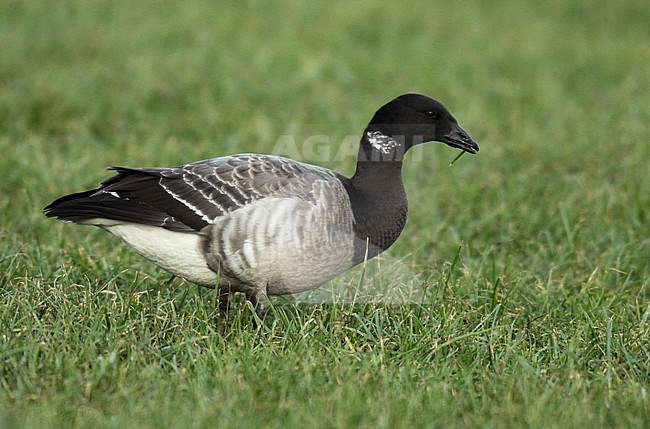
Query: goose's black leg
(257,297)
(224,301)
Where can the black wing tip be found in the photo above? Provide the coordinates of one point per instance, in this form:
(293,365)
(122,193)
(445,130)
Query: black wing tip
(54,209)
(48,210)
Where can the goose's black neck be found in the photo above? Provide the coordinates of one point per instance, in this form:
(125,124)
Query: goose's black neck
(377,198)
(376,191)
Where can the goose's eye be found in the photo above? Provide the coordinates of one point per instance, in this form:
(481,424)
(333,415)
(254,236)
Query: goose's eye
(431,114)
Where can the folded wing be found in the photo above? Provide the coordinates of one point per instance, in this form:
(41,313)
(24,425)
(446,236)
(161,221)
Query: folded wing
(188,198)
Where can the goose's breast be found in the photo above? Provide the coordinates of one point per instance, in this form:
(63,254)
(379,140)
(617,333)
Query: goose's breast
(288,244)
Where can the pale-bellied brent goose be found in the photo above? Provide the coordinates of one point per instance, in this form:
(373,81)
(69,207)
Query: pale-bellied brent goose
(263,224)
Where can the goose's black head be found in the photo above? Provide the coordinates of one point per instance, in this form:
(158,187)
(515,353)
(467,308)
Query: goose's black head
(411,119)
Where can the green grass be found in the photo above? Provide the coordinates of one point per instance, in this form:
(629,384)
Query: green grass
(541,319)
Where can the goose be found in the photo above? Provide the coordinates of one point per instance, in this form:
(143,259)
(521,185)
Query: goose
(263,224)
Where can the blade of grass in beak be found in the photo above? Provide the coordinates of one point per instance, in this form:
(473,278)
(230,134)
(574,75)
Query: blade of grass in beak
(462,152)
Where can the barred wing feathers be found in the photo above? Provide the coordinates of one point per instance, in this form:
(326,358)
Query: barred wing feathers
(188,198)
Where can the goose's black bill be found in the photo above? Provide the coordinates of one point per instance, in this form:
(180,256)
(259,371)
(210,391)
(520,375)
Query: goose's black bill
(457,137)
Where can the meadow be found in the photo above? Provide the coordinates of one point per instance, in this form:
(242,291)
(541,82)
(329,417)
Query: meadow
(535,253)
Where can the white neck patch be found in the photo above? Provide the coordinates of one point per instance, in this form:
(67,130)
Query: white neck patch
(381,142)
